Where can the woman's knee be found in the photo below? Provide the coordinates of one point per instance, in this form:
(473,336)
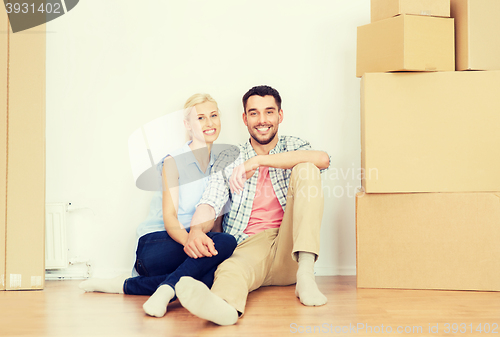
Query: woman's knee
(223,239)
(225,243)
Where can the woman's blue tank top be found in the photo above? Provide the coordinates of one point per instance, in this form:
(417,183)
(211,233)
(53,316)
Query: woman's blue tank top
(192,184)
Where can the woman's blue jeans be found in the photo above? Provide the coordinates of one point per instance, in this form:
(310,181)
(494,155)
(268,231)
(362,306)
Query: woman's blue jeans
(161,260)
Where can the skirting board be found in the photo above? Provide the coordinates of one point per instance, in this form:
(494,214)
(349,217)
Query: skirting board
(332,271)
(81,272)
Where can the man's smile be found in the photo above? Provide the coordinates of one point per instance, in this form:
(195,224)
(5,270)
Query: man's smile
(263,129)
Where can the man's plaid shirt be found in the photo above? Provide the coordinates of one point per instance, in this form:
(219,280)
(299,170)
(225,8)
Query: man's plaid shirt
(218,192)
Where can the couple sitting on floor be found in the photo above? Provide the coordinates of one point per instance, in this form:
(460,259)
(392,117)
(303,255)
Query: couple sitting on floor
(270,235)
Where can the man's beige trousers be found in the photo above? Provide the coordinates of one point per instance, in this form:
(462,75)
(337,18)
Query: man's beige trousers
(270,257)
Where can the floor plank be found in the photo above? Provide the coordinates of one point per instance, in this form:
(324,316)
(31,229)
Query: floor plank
(62,309)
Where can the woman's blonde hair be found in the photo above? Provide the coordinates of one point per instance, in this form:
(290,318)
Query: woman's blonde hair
(191,102)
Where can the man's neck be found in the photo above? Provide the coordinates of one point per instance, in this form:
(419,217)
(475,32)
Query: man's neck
(264,149)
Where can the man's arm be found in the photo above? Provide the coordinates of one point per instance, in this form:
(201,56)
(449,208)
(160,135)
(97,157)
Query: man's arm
(288,160)
(285,160)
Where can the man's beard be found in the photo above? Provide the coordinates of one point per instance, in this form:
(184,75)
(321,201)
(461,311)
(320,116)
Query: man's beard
(265,141)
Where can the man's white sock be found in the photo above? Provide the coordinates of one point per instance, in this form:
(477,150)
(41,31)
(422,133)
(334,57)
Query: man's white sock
(200,301)
(306,288)
(156,305)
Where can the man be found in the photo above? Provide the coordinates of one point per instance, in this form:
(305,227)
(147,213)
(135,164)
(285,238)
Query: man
(276,210)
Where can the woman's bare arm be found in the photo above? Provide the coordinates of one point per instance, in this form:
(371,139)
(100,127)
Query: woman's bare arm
(170,201)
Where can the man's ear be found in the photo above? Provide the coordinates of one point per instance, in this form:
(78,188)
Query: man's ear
(244,116)
(281,116)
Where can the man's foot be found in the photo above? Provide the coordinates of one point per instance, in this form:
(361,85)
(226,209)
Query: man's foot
(112,286)
(156,305)
(306,288)
(200,301)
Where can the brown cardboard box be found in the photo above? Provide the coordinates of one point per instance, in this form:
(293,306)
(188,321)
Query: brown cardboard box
(428,241)
(24,214)
(3,139)
(430,132)
(477,23)
(384,9)
(406,43)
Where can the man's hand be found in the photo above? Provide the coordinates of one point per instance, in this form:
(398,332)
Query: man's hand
(199,244)
(241,173)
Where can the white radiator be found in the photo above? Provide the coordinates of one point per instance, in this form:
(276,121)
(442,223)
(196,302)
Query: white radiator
(56,247)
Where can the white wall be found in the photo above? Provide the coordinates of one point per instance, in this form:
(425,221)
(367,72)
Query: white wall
(114,65)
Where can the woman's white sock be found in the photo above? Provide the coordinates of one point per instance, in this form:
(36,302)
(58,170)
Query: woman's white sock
(156,305)
(112,286)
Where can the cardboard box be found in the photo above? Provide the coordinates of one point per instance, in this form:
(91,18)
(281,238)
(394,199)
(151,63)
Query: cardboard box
(406,43)
(477,23)
(430,132)
(384,9)
(428,241)
(23,158)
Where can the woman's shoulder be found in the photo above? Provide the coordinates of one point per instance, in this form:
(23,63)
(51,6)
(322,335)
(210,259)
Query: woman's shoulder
(170,158)
(168,168)
(169,162)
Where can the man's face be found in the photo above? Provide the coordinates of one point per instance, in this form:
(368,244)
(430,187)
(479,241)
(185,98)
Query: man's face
(262,118)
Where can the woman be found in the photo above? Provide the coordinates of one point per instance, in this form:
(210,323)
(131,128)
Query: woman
(161,260)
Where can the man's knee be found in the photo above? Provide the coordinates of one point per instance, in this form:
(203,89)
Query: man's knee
(306,181)
(308,175)
(304,171)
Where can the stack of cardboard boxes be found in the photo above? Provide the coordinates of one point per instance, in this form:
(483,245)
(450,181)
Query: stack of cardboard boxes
(22,157)
(429,217)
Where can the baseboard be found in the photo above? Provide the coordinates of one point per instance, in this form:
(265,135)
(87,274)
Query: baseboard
(76,272)
(347,271)
(332,271)
(111,273)
(84,272)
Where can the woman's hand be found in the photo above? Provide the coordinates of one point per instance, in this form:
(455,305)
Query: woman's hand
(199,244)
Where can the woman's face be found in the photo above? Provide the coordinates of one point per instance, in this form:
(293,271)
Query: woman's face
(204,122)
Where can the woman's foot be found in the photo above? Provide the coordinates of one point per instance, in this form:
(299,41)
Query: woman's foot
(112,286)
(156,305)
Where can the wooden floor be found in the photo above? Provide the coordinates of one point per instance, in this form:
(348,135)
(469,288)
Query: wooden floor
(62,309)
